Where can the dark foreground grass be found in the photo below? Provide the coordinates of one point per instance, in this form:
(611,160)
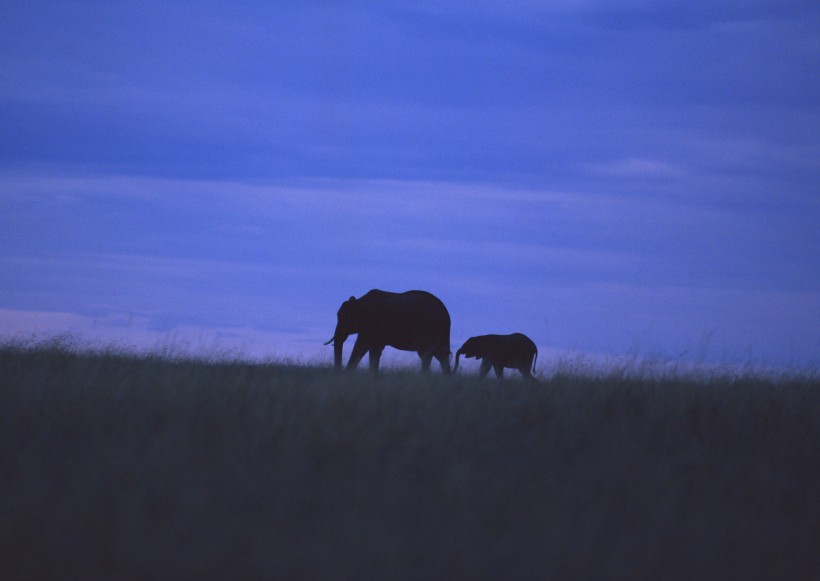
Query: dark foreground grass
(124,466)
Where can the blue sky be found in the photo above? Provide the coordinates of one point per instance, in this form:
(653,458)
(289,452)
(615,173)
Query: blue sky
(610,178)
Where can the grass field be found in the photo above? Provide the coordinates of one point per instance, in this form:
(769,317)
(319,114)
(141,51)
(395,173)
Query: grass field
(116,465)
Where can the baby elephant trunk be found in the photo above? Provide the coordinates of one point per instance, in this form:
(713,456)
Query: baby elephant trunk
(455,367)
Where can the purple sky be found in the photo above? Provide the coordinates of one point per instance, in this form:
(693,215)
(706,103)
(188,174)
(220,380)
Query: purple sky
(626,178)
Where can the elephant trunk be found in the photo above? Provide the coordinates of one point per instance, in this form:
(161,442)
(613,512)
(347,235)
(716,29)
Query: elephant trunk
(338,341)
(337,353)
(455,366)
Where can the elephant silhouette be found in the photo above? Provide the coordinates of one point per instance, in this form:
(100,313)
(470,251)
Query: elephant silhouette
(411,321)
(516,351)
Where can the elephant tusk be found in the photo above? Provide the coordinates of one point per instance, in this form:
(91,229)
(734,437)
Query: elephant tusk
(330,341)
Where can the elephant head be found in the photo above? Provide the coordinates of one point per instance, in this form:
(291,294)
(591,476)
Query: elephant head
(347,323)
(474,347)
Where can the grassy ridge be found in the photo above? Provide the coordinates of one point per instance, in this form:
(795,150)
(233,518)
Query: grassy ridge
(117,465)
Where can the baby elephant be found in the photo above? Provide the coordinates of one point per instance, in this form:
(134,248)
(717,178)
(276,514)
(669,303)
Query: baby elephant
(499,351)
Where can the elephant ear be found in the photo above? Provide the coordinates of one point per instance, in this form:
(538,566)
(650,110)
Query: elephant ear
(469,348)
(347,304)
(349,307)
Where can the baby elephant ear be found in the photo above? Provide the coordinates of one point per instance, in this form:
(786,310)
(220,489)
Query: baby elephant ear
(352,299)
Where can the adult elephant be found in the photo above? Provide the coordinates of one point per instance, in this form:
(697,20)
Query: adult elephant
(516,351)
(411,321)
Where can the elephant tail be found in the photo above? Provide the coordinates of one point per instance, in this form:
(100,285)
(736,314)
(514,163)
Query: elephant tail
(455,367)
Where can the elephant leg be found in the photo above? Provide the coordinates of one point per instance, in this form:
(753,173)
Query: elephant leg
(375,357)
(526,373)
(485,367)
(444,360)
(426,358)
(359,350)
(499,370)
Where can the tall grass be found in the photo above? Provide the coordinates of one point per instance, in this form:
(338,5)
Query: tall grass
(116,465)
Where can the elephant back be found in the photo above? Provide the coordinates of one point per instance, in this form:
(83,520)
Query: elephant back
(412,320)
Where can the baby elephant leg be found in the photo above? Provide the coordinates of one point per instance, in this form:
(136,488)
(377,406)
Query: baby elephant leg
(526,373)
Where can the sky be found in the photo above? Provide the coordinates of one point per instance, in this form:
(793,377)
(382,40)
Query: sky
(633,179)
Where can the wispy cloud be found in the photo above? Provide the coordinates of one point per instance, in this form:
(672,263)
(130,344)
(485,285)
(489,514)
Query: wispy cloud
(595,271)
(634,167)
(320,91)
(136,333)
